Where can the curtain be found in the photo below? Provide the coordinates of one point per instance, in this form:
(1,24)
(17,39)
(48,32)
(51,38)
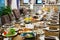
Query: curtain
(14,4)
(18,4)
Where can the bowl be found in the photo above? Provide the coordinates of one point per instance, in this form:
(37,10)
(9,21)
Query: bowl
(32,35)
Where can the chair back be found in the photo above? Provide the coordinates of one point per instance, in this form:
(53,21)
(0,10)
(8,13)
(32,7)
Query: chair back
(16,13)
(5,19)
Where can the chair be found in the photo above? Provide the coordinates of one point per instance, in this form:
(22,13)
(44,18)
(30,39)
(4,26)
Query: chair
(25,10)
(21,11)
(11,17)
(5,19)
(16,14)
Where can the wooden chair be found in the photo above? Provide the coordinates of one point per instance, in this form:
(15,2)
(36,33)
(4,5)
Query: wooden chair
(16,13)
(11,17)
(5,19)
(21,11)
(25,10)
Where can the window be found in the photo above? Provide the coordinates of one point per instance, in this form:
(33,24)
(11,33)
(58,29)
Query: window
(25,1)
(38,1)
(2,3)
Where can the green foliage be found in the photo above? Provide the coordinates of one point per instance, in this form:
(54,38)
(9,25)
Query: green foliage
(5,10)
(12,31)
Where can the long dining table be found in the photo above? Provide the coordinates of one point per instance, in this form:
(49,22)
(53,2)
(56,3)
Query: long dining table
(46,33)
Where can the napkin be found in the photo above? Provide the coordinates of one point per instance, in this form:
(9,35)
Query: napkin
(6,38)
(30,26)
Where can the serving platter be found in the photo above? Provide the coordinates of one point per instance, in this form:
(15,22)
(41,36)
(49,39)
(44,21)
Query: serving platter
(25,33)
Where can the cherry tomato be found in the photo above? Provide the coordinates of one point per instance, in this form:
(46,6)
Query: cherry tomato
(5,33)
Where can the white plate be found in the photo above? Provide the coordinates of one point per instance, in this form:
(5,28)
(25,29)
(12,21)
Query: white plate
(47,28)
(54,30)
(9,35)
(52,23)
(29,26)
(54,37)
(39,31)
(16,29)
